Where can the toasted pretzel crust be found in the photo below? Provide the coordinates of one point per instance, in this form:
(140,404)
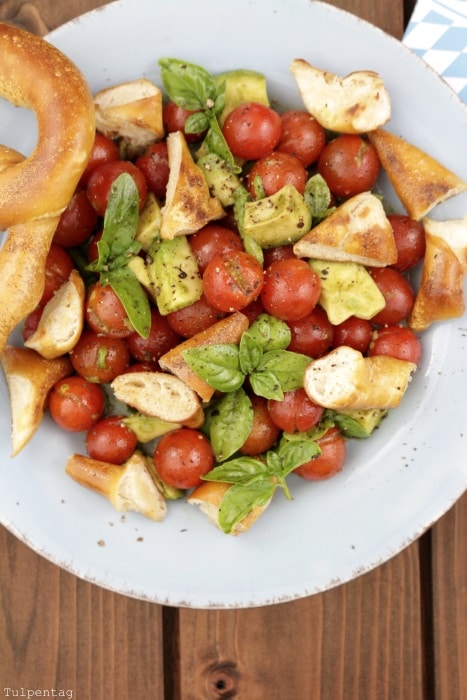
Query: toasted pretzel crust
(34,191)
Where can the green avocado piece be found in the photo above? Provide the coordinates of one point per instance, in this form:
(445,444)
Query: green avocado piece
(175,274)
(359,424)
(222,182)
(280,219)
(242,85)
(347,289)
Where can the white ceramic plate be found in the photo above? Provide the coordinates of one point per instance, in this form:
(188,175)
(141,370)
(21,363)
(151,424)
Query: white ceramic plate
(396,484)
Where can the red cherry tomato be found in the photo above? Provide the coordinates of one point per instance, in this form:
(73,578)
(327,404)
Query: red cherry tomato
(232,281)
(76,404)
(195,318)
(396,341)
(253,310)
(105,312)
(353,332)
(77,222)
(291,289)
(252,130)
(58,266)
(174,119)
(409,236)
(398,294)
(110,440)
(296,412)
(264,432)
(279,252)
(311,335)
(100,358)
(301,136)
(274,172)
(349,164)
(182,457)
(31,322)
(160,340)
(154,165)
(103,151)
(103,177)
(329,462)
(213,240)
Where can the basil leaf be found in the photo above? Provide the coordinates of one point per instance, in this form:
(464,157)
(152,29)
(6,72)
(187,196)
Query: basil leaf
(230,424)
(287,367)
(317,195)
(295,453)
(271,333)
(196,123)
(240,470)
(215,142)
(187,84)
(313,434)
(218,365)
(250,353)
(132,296)
(274,462)
(240,499)
(117,243)
(266,384)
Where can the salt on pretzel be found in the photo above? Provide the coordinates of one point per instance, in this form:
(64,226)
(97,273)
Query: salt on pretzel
(35,190)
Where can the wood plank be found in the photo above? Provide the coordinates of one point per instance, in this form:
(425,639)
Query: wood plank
(386,15)
(449,562)
(59,632)
(356,641)
(42,16)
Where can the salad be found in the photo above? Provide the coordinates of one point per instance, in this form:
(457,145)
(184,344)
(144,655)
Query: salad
(228,299)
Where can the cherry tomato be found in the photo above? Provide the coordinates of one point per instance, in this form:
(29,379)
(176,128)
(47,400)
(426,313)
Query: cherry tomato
(279,252)
(253,310)
(329,462)
(58,266)
(31,322)
(291,289)
(252,130)
(353,332)
(349,164)
(154,165)
(92,251)
(397,292)
(396,341)
(311,335)
(182,457)
(232,281)
(275,171)
(110,440)
(195,318)
(160,340)
(296,413)
(103,151)
(76,404)
(213,240)
(103,177)
(77,222)
(174,119)
(301,136)
(100,358)
(264,432)
(409,236)
(105,312)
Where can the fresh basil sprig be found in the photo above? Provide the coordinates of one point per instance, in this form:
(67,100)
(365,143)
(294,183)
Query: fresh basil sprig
(194,88)
(261,355)
(317,196)
(116,248)
(255,479)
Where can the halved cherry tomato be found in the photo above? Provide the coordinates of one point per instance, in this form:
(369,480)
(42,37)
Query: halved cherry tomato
(76,404)
(105,312)
(274,172)
(301,136)
(252,130)
(110,440)
(349,164)
(182,457)
(232,281)
(296,412)
(396,341)
(291,289)
(329,462)
(103,177)
(264,432)
(100,358)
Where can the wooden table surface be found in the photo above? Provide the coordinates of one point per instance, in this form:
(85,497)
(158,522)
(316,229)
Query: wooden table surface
(396,633)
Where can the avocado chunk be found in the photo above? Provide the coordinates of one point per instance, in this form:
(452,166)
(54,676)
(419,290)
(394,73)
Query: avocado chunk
(175,274)
(280,219)
(147,428)
(222,182)
(149,224)
(347,289)
(242,85)
(359,424)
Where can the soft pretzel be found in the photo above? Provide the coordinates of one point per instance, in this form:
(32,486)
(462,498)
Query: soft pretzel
(35,190)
